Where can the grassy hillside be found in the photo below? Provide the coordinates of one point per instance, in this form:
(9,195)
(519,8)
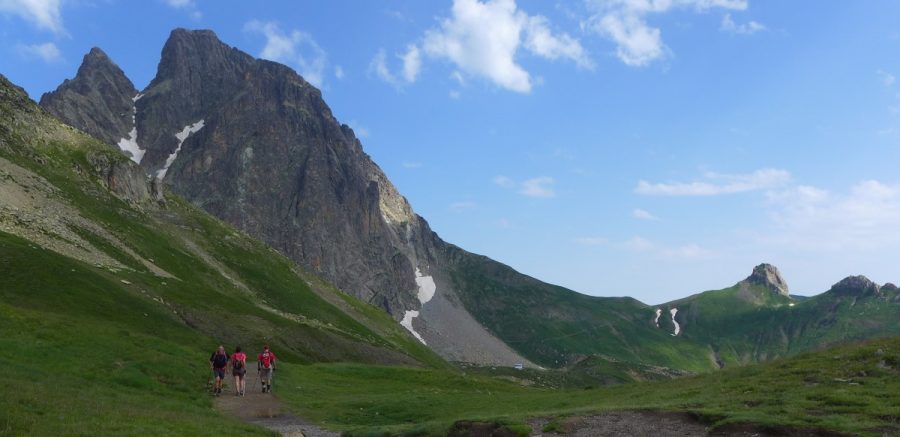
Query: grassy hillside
(743,331)
(556,327)
(853,389)
(111,304)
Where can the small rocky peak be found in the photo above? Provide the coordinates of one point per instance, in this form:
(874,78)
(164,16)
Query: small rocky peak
(768,276)
(98,100)
(855,286)
(889,287)
(97,66)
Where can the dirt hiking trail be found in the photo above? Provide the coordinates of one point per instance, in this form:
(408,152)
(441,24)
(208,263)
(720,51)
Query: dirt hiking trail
(265,409)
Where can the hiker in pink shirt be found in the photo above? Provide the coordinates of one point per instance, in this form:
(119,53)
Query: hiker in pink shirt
(238,370)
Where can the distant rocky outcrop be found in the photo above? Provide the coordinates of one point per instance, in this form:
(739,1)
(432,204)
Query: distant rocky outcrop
(855,286)
(768,276)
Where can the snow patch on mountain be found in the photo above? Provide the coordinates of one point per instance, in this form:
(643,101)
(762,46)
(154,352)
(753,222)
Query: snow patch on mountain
(130,145)
(656,319)
(186,132)
(674,311)
(426,291)
(407,323)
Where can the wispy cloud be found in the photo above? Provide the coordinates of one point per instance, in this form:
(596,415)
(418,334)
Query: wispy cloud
(591,241)
(43,14)
(541,186)
(339,72)
(482,39)
(538,187)
(717,184)
(643,245)
(295,48)
(462,206)
(187,5)
(358,129)
(625,23)
(504,181)
(748,28)
(886,77)
(412,164)
(864,217)
(47,52)
(641,214)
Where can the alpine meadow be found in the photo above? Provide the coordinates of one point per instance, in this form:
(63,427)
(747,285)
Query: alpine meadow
(207,221)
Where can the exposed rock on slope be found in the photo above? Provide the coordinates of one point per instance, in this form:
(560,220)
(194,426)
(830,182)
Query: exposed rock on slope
(768,276)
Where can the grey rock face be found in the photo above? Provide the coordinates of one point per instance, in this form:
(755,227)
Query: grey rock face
(98,100)
(855,286)
(768,276)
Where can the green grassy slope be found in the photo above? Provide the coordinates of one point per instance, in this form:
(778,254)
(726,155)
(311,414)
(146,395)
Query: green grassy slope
(852,389)
(773,326)
(94,347)
(556,327)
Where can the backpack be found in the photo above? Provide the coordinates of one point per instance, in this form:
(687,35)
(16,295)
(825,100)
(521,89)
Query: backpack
(219,361)
(266,359)
(237,364)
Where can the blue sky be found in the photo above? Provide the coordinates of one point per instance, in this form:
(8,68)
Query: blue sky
(652,148)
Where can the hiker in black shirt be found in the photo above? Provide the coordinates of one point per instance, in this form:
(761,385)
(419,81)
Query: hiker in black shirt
(218,362)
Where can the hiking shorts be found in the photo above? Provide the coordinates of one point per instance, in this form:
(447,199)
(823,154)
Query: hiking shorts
(238,372)
(220,373)
(265,374)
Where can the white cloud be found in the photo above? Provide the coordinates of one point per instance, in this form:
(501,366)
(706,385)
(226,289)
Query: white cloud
(412,63)
(641,214)
(887,78)
(411,66)
(47,52)
(538,187)
(716,184)
(541,41)
(338,72)
(504,181)
(411,164)
(483,39)
(44,14)
(187,5)
(541,186)
(591,241)
(749,28)
(454,94)
(866,217)
(462,206)
(297,48)
(624,22)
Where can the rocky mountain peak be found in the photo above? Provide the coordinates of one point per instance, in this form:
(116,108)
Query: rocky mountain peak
(768,276)
(98,100)
(855,286)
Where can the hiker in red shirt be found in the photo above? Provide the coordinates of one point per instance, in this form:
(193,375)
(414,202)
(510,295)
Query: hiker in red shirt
(265,366)
(238,370)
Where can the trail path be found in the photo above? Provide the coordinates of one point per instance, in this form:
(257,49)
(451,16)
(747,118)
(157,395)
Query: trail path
(265,409)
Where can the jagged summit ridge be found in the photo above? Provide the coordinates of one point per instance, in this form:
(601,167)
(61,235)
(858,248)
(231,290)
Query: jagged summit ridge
(98,100)
(768,276)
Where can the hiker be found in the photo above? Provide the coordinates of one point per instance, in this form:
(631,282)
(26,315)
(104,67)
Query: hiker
(265,366)
(218,361)
(238,370)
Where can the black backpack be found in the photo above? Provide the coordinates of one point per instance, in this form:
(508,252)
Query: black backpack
(219,361)
(237,364)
